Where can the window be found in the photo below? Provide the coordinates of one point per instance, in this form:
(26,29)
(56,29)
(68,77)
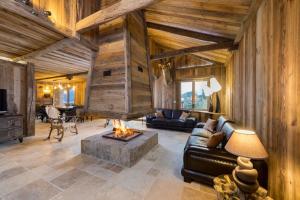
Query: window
(187,95)
(69,96)
(193,95)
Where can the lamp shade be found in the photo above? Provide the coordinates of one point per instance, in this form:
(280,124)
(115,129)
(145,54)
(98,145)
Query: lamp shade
(246,144)
(207,91)
(215,85)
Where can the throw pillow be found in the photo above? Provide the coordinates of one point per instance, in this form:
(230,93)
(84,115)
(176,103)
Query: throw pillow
(184,115)
(159,114)
(201,132)
(215,139)
(210,125)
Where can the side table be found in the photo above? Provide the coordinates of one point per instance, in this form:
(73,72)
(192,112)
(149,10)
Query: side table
(226,189)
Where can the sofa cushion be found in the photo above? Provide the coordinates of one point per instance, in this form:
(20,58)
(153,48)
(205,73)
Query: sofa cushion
(159,114)
(168,114)
(159,122)
(201,132)
(197,141)
(210,125)
(227,129)
(175,123)
(176,114)
(221,121)
(190,122)
(215,139)
(184,116)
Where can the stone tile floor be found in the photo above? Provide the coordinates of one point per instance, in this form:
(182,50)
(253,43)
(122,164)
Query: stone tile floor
(38,169)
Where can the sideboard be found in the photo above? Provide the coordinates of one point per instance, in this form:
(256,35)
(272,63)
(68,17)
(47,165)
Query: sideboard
(11,127)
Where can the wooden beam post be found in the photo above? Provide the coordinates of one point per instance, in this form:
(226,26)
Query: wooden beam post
(187,33)
(30,101)
(128,91)
(110,13)
(89,81)
(190,50)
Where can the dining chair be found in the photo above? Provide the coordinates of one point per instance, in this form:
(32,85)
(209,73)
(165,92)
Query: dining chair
(60,123)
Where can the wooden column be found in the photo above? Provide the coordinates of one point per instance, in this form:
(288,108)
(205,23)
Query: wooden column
(30,101)
(89,81)
(127,52)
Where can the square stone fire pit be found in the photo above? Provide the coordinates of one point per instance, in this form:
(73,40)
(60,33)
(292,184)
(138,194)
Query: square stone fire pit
(120,152)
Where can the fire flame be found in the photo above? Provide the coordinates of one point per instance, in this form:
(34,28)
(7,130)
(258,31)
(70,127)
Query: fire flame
(121,130)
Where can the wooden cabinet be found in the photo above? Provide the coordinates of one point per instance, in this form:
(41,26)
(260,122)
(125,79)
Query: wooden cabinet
(11,127)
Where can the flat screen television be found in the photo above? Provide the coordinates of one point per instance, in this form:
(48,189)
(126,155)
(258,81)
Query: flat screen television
(3,101)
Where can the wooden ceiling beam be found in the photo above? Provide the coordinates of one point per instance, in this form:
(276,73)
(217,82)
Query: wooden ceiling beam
(112,12)
(26,12)
(187,33)
(224,45)
(65,75)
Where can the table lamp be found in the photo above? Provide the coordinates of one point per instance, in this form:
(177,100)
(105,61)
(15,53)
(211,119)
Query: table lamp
(246,145)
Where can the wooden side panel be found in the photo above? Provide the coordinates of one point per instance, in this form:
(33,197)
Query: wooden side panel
(265,90)
(107,90)
(141,98)
(13,78)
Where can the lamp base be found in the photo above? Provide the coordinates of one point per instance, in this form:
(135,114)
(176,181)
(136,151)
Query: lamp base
(245,176)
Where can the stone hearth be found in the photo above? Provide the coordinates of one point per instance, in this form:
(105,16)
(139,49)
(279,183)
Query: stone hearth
(122,153)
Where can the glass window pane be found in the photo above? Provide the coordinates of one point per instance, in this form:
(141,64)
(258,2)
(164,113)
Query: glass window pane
(186,95)
(65,96)
(72,96)
(201,101)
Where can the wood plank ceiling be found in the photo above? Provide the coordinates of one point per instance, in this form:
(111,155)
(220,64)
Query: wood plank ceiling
(34,38)
(20,36)
(222,18)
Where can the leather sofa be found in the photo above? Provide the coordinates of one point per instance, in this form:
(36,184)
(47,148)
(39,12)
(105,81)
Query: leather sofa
(203,164)
(171,121)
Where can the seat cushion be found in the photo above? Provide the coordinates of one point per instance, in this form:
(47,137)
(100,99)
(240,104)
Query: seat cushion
(159,122)
(175,123)
(201,132)
(168,114)
(197,141)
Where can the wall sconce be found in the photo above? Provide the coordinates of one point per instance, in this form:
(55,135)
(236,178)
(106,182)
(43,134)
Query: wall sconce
(46,90)
(47,13)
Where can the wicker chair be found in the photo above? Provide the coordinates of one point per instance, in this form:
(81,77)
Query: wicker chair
(60,123)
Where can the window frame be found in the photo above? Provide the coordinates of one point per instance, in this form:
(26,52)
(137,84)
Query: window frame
(194,80)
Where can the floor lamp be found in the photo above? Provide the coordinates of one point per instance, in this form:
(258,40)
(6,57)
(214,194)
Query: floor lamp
(216,87)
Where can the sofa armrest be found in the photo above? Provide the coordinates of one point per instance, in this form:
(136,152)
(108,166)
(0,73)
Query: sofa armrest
(149,118)
(200,124)
(191,118)
(190,122)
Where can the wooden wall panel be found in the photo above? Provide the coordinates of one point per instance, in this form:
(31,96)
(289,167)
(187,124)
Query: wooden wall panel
(265,90)
(205,72)
(61,12)
(187,67)
(140,82)
(108,93)
(16,80)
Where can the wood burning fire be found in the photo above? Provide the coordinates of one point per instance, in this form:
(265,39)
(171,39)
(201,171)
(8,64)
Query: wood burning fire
(122,132)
